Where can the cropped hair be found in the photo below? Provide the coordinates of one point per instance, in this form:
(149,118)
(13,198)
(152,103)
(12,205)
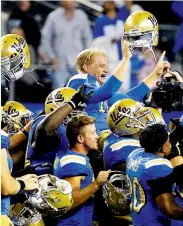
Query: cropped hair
(85,57)
(153,137)
(74,126)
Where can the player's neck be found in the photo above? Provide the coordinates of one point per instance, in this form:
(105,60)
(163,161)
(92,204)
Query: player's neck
(79,148)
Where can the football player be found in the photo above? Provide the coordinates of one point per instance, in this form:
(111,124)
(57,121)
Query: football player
(92,67)
(74,166)
(14,59)
(16,117)
(176,139)
(126,119)
(152,177)
(47,135)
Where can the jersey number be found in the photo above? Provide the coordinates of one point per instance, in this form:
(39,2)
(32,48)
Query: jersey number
(136,188)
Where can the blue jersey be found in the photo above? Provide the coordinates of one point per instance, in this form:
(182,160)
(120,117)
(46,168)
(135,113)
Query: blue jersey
(36,157)
(117,149)
(5,200)
(97,105)
(71,164)
(104,96)
(142,167)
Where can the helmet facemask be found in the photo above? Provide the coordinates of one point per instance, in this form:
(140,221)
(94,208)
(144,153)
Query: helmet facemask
(116,192)
(141,42)
(141,117)
(54,197)
(22,214)
(13,69)
(15,125)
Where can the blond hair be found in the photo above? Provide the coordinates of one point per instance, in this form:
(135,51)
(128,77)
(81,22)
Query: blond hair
(85,57)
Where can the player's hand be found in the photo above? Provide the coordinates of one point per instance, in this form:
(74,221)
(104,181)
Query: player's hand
(102,177)
(125,49)
(30,180)
(162,66)
(174,74)
(82,95)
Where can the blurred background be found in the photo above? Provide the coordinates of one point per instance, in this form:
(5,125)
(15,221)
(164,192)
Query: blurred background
(55,37)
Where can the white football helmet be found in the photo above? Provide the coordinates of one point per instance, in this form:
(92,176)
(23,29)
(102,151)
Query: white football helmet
(54,197)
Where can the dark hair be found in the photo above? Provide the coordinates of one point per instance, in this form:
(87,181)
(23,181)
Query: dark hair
(153,138)
(75,125)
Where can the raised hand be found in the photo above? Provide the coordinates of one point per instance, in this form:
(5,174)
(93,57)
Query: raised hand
(162,66)
(82,95)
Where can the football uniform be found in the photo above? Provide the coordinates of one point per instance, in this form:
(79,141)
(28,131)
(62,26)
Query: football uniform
(41,157)
(117,149)
(72,164)
(142,167)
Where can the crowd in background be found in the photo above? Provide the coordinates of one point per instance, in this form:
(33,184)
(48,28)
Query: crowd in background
(62,33)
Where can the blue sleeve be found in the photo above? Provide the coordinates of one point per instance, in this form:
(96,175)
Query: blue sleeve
(138,92)
(117,96)
(106,91)
(98,28)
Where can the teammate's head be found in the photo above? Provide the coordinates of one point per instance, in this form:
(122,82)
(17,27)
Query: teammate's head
(81,131)
(57,98)
(128,117)
(155,139)
(16,116)
(94,62)
(141,30)
(15,58)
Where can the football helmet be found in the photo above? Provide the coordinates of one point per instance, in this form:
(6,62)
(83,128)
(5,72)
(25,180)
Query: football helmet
(141,30)
(103,135)
(54,197)
(22,214)
(15,56)
(127,117)
(59,97)
(116,193)
(16,116)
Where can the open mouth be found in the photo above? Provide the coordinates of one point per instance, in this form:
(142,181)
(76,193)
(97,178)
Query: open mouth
(103,75)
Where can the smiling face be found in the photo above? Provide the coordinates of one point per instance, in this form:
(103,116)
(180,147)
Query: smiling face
(94,62)
(98,68)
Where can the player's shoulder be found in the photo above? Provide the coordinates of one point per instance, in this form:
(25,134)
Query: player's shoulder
(78,77)
(123,143)
(70,157)
(156,166)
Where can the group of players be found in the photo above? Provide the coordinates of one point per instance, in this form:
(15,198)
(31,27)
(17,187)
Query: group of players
(89,139)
